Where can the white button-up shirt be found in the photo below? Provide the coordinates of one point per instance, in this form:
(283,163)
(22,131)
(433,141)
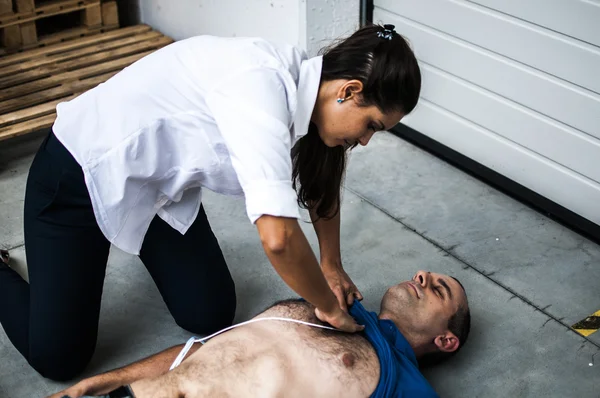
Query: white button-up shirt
(205,112)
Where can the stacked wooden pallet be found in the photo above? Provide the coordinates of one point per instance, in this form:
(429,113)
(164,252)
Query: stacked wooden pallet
(33,82)
(26,24)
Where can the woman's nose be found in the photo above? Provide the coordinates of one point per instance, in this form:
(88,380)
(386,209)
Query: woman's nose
(364,140)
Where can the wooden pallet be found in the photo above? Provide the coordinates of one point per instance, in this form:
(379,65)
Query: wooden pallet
(33,82)
(41,22)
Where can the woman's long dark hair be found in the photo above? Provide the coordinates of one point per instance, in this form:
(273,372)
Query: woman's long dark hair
(391,81)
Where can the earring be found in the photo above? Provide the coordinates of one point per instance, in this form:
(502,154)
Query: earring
(340,100)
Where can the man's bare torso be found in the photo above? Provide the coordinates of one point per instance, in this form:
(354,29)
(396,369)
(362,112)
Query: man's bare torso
(273,359)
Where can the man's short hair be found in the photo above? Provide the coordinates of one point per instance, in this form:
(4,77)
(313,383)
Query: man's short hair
(460,325)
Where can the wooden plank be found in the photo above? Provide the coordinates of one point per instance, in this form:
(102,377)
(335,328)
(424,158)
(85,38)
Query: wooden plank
(17,19)
(6,7)
(65,71)
(110,13)
(65,35)
(48,6)
(24,5)
(25,8)
(65,77)
(32,112)
(80,62)
(92,16)
(73,33)
(73,44)
(11,37)
(69,34)
(28,33)
(43,60)
(53,93)
(27,127)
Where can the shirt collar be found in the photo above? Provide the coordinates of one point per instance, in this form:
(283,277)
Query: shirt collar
(385,328)
(396,339)
(308,88)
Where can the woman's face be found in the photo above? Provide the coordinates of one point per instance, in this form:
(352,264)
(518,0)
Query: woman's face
(348,123)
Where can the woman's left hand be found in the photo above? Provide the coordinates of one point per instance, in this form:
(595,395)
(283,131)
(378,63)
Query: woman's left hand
(340,283)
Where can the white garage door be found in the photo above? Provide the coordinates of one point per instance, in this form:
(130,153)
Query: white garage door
(513,85)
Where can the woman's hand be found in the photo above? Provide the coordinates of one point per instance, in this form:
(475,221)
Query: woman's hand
(340,283)
(339,319)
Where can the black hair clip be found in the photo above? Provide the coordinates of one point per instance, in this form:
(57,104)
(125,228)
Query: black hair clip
(388,32)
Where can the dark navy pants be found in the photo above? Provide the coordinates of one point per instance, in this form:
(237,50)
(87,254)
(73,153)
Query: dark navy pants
(53,319)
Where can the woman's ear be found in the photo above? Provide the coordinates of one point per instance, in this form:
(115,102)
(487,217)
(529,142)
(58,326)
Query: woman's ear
(350,89)
(447,342)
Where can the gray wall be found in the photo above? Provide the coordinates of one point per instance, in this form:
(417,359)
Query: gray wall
(309,24)
(328,19)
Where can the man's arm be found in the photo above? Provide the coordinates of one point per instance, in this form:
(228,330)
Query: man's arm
(150,367)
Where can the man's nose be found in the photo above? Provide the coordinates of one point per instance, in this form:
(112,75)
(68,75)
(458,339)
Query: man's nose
(422,278)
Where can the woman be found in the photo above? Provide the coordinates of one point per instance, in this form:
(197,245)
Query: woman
(126,163)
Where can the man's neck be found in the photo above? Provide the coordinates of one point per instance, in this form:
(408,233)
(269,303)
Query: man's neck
(419,349)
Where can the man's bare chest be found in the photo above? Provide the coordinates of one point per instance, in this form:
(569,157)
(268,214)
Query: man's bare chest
(288,357)
(345,356)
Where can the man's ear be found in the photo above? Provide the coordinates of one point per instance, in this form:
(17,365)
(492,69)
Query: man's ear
(447,342)
(350,89)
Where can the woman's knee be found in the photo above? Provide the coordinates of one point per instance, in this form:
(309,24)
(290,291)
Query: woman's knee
(63,366)
(207,318)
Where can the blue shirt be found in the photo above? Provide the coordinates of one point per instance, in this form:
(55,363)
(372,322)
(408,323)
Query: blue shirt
(400,376)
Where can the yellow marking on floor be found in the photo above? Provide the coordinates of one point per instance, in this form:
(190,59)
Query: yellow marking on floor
(585,332)
(589,325)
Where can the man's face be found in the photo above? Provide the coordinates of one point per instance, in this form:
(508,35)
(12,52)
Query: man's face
(423,305)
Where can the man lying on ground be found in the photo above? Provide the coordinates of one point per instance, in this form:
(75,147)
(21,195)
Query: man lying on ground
(423,320)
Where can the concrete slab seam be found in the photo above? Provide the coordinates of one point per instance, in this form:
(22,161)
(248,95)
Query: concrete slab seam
(15,247)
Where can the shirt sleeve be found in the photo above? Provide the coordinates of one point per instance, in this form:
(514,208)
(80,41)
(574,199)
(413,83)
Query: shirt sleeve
(252,112)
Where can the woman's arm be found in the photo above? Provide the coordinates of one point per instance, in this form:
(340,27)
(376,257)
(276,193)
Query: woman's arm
(149,367)
(328,233)
(293,259)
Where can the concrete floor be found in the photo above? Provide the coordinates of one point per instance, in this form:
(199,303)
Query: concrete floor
(527,277)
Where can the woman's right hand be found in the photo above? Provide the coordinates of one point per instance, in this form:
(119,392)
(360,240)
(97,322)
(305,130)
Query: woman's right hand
(339,319)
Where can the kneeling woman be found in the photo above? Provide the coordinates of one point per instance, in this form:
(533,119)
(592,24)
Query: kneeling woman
(126,164)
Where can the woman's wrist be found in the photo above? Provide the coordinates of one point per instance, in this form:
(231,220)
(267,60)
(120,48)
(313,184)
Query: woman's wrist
(331,263)
(331,308)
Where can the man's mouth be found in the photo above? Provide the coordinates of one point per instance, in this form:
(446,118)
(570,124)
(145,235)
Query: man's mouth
(415,289)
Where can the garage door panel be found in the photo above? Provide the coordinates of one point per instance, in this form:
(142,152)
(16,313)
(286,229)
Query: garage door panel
(527,168)
(578,19)
(544,136)
(559,55)
(564,102)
